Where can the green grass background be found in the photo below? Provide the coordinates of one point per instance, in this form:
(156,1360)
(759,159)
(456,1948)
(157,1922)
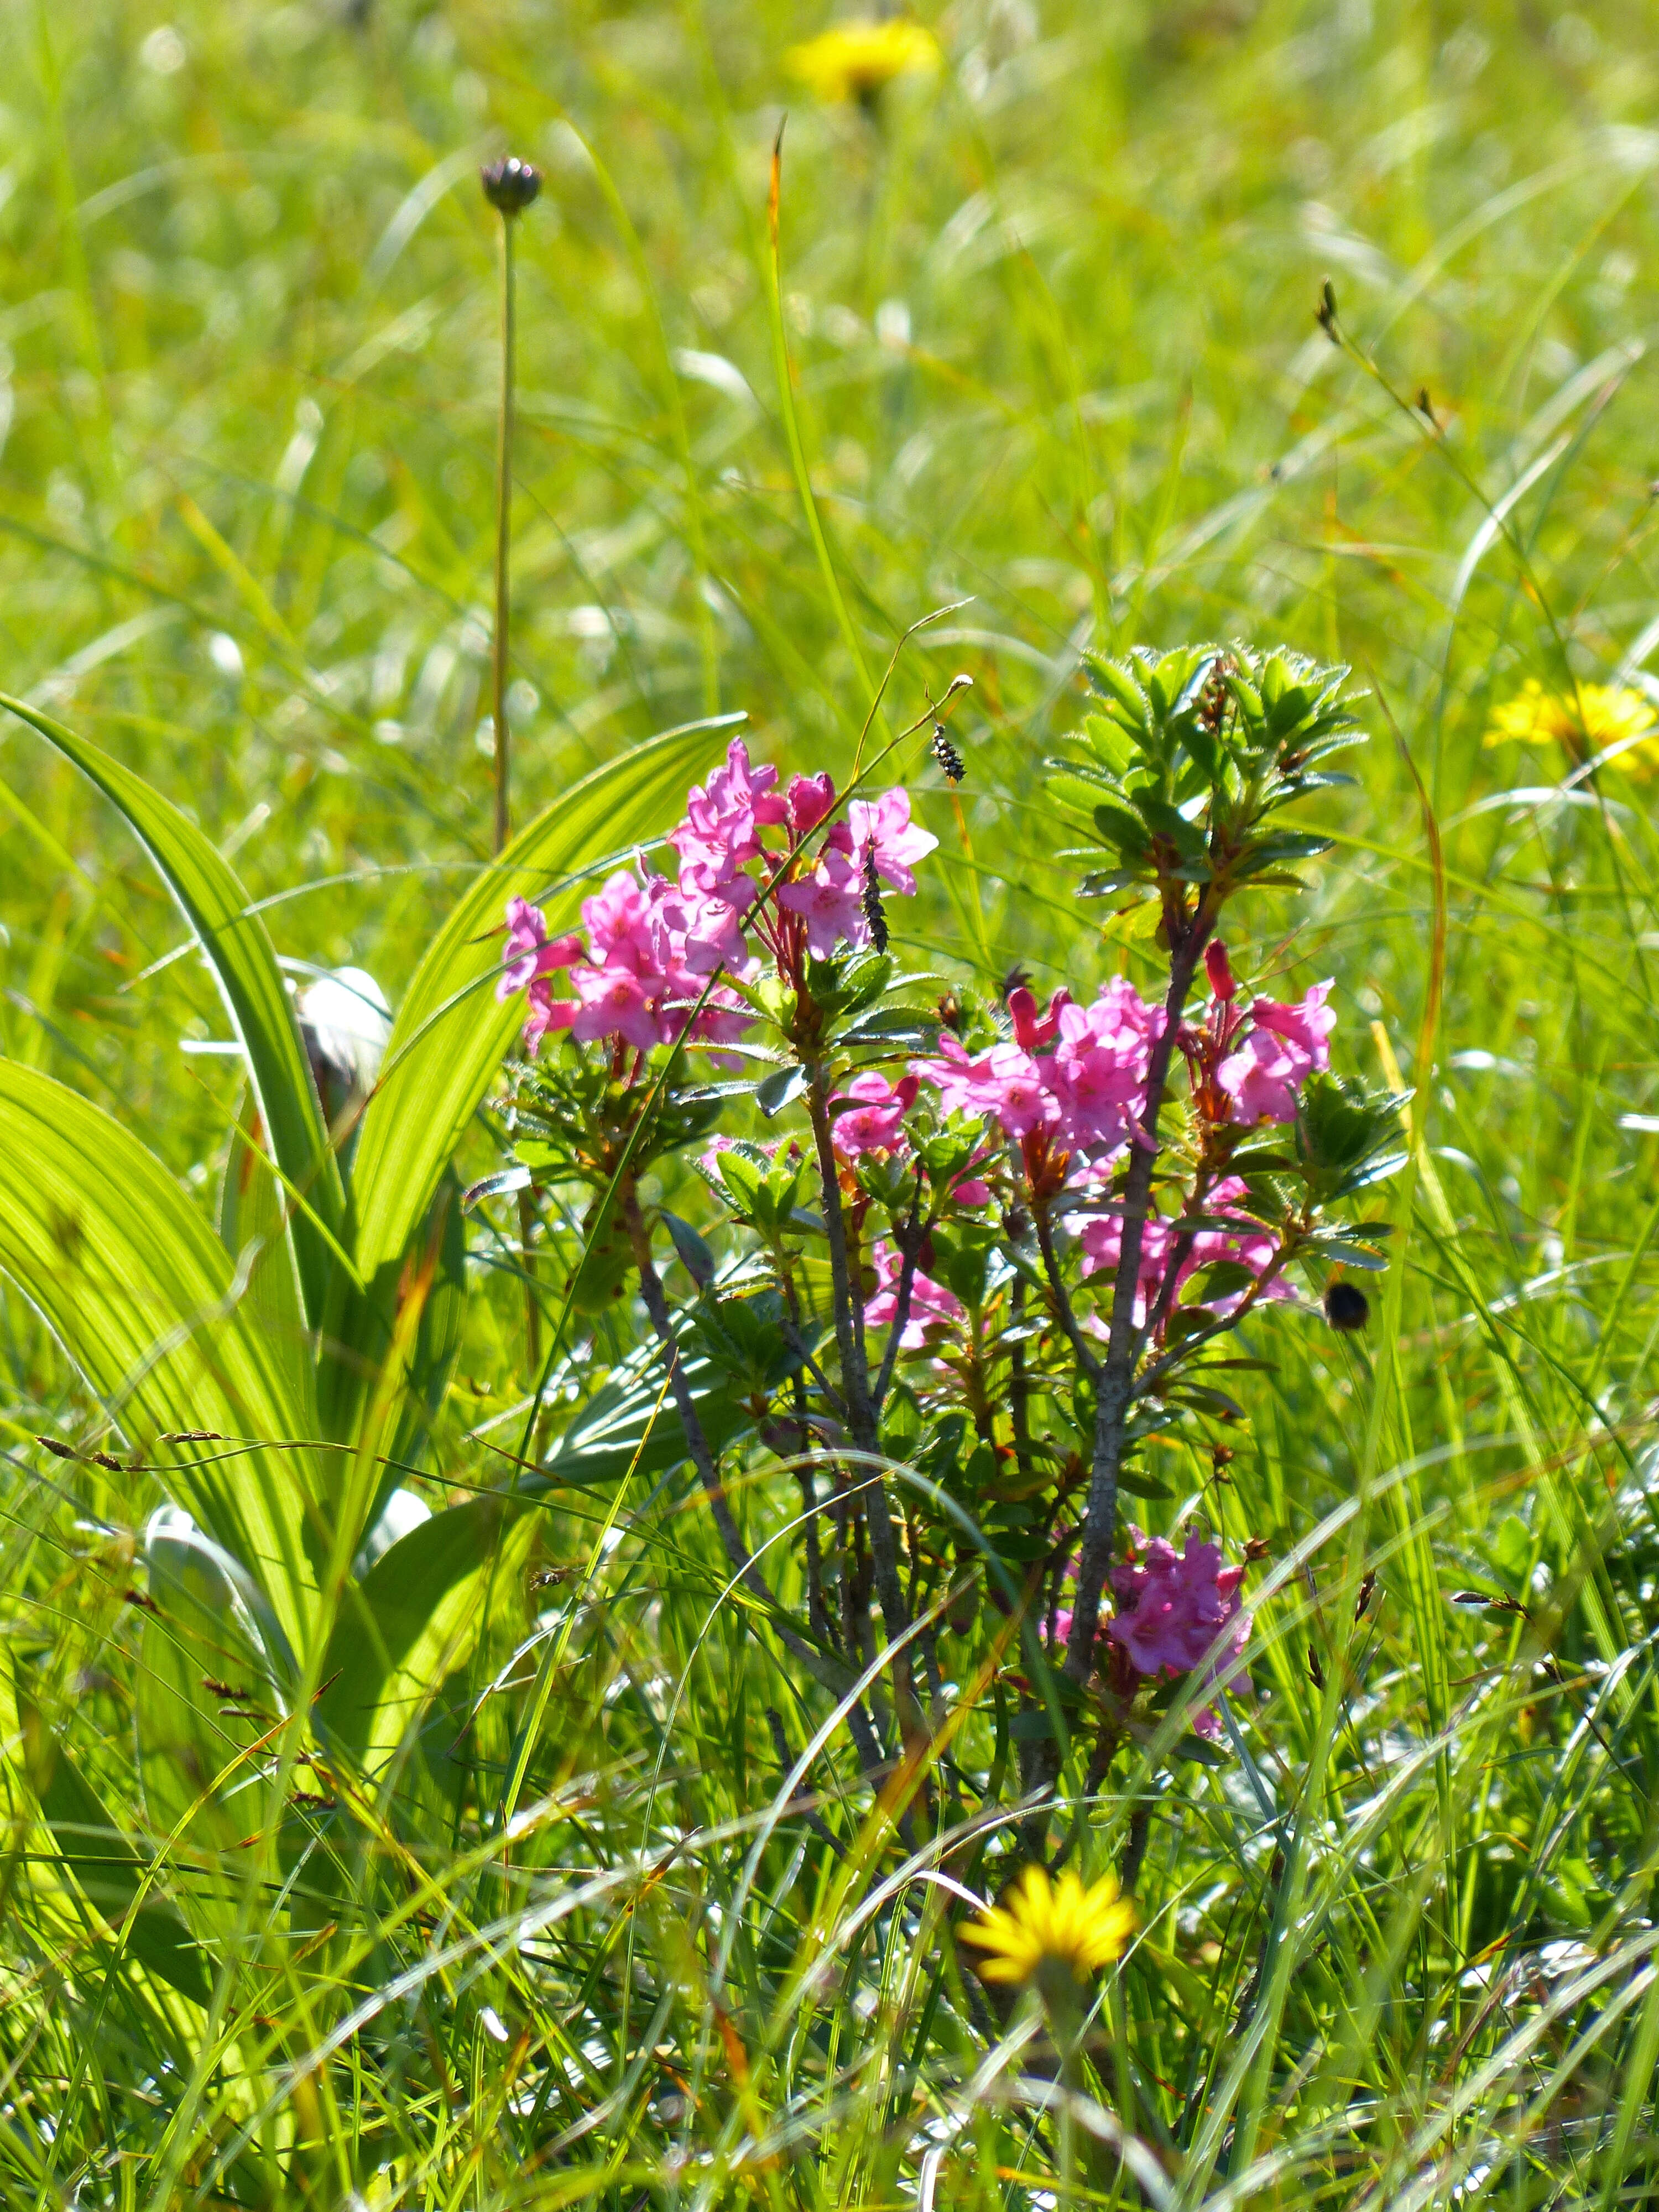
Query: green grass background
(1050,322)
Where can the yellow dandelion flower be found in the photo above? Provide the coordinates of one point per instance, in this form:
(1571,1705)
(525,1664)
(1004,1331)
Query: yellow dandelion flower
(1059,1922)
(854,61)
(1584,722)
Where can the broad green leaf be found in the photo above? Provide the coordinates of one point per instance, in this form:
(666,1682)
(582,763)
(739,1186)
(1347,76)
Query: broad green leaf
(451,1035)
(252,1210)
(413,1620)
(198,1634)
(238,950)
(105,1867)
(142,1296)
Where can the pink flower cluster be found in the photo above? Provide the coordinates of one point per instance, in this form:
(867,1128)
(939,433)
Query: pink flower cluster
(1283,1046)
(1175,1609)
(870,1114)
(830,900)
(645,962)
(653,941)
(869,1118)
(1102,1240)
(1076,1074)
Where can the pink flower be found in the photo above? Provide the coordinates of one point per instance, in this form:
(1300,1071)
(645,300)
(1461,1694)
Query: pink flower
(1030,1034)
(830,903)
(885,824)
(614,1002)
(1284,1046)
(808,799)
(1176,1608)
(546,1012)
(932,1306)
(709,926)
(969,1192)
(874,1121)
(1306,1027)
(529,951)
(620,925)
(1100,1063)
(958,1080)
(1102,1240)
(717,837)
(1218,968)
(1018,1090)
(1005,1081)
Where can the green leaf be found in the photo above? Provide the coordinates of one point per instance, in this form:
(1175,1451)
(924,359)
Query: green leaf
(451,1036)
(1134,1479)
(252,1210)
(105,1867)
(632,1422)
(197,1633)
(691,1250)
(239,951)
(141,1295)
(414,1619)
(776,1092)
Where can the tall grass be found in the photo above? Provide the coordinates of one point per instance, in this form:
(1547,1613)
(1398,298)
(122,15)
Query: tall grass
(1049,324)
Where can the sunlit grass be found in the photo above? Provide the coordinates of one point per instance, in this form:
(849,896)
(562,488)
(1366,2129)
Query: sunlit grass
(1050,314)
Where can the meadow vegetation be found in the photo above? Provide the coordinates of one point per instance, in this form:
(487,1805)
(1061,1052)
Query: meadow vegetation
(450,1755)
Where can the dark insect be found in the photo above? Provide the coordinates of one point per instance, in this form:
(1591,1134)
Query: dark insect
(870,899)
(1347,1306)
(947,756)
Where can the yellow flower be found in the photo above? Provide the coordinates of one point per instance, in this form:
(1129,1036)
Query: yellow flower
(1061,1921)
(1587,721)
(853,61)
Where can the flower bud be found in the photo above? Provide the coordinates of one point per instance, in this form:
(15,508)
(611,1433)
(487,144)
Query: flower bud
(510,184)
(1220,970)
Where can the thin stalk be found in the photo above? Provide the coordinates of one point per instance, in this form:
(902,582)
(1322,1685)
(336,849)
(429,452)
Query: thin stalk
(503,539)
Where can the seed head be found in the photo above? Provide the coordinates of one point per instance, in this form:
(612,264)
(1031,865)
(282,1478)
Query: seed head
(947,756)
(510,184)
(870,899)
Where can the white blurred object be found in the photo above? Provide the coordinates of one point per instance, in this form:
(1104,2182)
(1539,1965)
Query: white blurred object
(344,1021)
(401,1513)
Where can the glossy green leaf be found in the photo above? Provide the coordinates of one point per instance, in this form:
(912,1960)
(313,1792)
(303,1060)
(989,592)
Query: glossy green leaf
(239,951)
(143,1296)
(450,1033)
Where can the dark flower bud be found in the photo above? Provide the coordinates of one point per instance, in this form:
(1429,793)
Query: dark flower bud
(1217,968)
(1347,1306)
(510,184)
